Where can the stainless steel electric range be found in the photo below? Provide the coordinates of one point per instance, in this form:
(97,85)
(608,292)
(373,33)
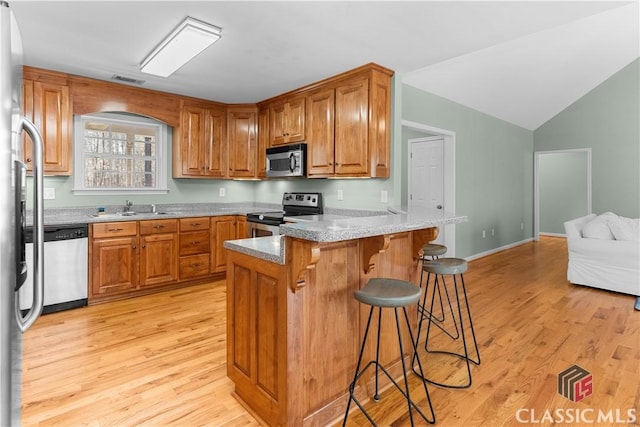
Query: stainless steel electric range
(293,204)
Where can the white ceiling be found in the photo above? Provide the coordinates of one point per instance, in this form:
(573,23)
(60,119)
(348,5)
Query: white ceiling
(522,62)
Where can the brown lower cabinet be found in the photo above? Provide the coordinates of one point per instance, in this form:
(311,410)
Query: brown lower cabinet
(158,252)
(113,259)
(195,247)
(130,258)
(222,228)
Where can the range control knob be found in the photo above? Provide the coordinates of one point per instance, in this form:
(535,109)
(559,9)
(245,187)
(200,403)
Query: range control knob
(260,217)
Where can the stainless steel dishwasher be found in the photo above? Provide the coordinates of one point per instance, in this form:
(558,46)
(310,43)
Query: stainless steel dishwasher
(66,268)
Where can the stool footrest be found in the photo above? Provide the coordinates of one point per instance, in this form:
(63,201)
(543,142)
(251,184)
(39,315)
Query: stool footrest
(450,353)
(376,398)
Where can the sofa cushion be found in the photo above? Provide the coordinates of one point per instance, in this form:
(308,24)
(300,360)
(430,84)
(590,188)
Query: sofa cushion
(598,228)
(625,229)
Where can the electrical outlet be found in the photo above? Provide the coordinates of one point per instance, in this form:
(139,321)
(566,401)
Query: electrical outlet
(340,195)
(383,196)
(522,226)
(221,192)
(49,193)
(493,232)
(484,234)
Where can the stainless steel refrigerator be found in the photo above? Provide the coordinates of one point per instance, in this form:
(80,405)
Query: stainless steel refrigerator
(13,269)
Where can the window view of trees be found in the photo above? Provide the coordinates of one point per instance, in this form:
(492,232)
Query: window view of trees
(119,154)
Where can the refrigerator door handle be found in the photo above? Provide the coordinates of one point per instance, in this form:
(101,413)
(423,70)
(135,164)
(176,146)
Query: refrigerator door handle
(34,312)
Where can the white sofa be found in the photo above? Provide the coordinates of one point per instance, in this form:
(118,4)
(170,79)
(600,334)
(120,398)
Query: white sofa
(604,262)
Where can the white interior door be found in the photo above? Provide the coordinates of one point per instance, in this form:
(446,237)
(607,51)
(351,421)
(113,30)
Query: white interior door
(426,189)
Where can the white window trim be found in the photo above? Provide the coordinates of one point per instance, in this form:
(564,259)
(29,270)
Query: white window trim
(161,153)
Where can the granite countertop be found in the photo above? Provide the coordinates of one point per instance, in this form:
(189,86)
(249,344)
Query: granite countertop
(346,228)
(89,215)
(270,248)
(315,218)
(334,228)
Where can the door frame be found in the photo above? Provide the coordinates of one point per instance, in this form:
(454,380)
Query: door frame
(536,184)
(449,172)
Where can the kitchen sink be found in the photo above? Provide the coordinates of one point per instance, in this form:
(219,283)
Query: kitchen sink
(113,215)
(132,214)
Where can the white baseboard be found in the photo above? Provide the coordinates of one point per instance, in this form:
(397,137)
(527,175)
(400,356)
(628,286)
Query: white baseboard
(500,249)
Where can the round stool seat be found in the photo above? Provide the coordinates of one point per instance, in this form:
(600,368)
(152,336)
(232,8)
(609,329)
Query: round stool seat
(382,292)
(445,266)
(433,249)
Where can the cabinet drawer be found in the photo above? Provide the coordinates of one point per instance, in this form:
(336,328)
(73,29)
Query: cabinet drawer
(194,266)
(158,226)
(114,229)
(193,224)
(194,242)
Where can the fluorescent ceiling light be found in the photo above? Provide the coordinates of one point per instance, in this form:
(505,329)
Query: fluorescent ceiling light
(185,42)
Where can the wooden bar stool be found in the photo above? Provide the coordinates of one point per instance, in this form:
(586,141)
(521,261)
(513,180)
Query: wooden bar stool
(432,251)
(388,293)
(454,267)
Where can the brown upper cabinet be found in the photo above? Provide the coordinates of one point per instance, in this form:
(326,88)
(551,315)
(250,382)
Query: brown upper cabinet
(47,103)
(263,142)
(345,121)
(242,127)
(348,126)
(287,121)
(320,130)
(202,151)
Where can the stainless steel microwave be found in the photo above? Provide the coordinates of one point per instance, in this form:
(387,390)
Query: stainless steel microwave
(287,160)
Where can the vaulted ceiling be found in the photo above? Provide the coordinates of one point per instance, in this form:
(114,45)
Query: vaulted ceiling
(522,62)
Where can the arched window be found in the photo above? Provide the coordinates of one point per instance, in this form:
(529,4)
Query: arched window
(118,153)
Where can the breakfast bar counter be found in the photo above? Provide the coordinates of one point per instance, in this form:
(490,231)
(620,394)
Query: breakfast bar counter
(293,326)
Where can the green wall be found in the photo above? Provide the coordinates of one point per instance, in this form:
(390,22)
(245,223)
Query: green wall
(562,189)
(607,120)
(494,171)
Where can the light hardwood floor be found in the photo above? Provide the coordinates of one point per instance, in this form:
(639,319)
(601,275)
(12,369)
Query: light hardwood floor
(160,359)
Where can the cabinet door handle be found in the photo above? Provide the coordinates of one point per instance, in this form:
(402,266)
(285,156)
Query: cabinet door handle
(144,246)
(114,229)
(28,159)
(133,247)
(195,224)
(195,242)
(158,226)
(196,265)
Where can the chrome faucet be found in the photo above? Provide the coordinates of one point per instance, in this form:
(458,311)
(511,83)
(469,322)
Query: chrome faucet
(127,206)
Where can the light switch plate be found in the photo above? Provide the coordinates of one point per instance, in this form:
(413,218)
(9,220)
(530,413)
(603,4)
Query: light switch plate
(221,192)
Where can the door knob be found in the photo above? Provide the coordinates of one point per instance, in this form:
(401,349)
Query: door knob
(439,207)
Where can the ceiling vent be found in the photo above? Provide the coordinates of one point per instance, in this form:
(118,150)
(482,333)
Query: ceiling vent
(127,79)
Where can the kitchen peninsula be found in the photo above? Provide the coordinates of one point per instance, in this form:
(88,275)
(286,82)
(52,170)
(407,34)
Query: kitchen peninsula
(293,326)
